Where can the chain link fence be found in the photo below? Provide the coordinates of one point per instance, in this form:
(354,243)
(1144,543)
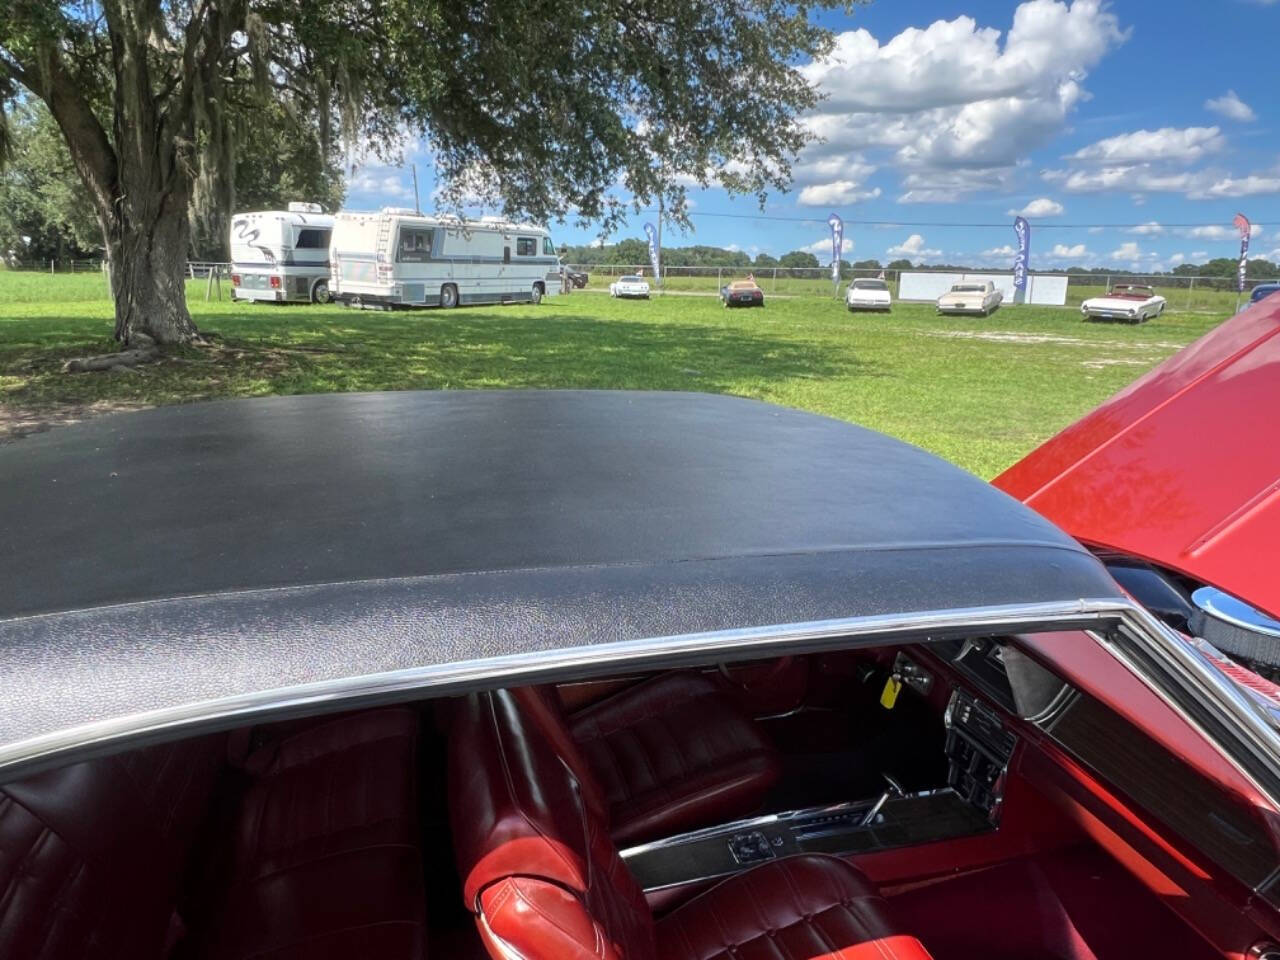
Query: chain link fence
(1208,294)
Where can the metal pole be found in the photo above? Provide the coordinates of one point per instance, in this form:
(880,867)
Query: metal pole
(660,271)
(416,208)
(1191,291)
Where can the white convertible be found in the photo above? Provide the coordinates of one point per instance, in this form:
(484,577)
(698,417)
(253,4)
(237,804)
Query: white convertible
(1126,301)
(868,295)
(980,297)
(631,286)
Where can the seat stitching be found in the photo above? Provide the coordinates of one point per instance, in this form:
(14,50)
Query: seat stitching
(332,855)
(56,904)
(23,865)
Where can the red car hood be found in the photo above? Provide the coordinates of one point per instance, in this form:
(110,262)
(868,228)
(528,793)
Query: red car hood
(1182,468)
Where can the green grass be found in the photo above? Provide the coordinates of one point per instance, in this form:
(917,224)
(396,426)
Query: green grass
(980,392)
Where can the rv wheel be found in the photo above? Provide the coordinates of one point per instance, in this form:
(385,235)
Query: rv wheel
(537,293)
(448,296)
(320,292)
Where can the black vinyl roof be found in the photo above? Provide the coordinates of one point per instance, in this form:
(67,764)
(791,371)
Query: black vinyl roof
(193,552)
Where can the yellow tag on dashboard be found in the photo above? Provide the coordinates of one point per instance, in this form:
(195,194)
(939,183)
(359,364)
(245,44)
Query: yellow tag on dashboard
(889,695)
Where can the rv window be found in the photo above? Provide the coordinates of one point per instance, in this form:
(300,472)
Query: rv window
(415,245)
(526,247)
(312,240)
(506,254)
(548,248)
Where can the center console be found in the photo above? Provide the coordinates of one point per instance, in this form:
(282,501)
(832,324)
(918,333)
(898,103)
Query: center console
(978,751)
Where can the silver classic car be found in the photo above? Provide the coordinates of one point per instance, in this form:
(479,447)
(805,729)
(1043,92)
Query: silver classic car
(567,674)
(972,296)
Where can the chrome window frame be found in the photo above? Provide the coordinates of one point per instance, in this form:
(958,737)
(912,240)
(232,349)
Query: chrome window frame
(1166,662)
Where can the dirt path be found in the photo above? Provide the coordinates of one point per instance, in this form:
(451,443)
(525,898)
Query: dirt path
(17,422)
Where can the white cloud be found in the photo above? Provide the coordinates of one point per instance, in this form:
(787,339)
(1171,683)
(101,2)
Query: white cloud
(1149,229)
(1061,251)
(913,246)
(1177,259)
(1219,233)
(1096,229)
(956,95)
(1249,186)
(1232,107)
(822,248)
(1144,177)
(1005,251)
(380,185)
(1127,251)
(838,193)
(1199,254)
(1043,207)
(1150,146)
(951,186)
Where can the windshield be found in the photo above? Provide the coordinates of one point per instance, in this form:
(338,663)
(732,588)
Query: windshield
(968,288)
(870,285)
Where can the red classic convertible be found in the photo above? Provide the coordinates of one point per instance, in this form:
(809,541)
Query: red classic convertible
(649,676)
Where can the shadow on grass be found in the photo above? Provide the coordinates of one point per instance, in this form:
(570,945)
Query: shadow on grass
(296,352)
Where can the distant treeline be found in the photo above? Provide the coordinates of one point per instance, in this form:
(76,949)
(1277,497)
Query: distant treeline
(635,251)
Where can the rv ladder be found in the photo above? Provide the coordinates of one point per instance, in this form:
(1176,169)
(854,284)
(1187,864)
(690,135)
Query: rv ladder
(384,235)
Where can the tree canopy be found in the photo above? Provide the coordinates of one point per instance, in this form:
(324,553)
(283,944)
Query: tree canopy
(798,258)
(586,108)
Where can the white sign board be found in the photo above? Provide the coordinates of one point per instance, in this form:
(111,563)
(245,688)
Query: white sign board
(1043,289)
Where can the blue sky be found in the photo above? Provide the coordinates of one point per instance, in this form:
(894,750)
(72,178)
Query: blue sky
(1155,114)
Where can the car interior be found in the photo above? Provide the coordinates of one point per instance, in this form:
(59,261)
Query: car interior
(945,798)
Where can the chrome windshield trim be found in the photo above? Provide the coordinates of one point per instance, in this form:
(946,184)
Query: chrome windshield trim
(541,666)
(1209,688)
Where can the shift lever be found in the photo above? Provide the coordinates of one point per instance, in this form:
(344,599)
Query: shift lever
(892,789)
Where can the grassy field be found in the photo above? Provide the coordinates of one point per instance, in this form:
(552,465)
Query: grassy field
(980,392)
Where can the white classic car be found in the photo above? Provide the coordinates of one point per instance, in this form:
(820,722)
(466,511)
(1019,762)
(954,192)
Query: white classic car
(1126,301)
(631,286)
(980,297)
(868,295)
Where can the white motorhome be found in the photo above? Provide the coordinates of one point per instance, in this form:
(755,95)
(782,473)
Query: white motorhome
(279,255)
(399,258)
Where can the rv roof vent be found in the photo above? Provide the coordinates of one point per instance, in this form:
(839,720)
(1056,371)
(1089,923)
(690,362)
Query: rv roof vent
(299,207)
(407,210)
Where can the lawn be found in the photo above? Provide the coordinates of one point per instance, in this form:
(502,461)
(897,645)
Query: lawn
(980,392)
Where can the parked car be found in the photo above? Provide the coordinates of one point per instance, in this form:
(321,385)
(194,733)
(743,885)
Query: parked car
(1262,291)
(980,297)
(1132,302)
(742,293)
(630,286)
(699,676)
(578,278)
(868,295)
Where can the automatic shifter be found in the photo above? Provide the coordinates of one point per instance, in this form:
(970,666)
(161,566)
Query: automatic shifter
(892,789)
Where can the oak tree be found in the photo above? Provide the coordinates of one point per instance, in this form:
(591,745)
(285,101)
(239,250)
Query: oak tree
(574,107)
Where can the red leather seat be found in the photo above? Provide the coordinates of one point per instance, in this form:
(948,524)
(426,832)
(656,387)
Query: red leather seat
(545,881)
(671,754)
(320,846)
(326,853)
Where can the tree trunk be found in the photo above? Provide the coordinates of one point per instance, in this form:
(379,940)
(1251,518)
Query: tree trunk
(148,253)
